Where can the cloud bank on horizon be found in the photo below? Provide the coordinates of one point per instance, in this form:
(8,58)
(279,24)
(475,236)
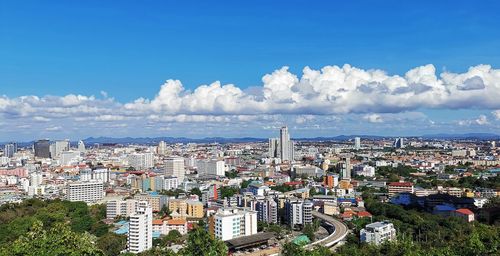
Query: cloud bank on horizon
(333,93)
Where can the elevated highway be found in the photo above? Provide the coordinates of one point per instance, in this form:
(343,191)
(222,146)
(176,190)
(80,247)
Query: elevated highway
(340,231)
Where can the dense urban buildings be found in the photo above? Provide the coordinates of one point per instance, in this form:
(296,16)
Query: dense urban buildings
(244,190)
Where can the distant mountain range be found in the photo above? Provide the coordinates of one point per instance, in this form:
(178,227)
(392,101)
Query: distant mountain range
(147,140)
(222,140)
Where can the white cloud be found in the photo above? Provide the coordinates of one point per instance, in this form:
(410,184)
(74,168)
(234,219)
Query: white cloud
(482,120)
(325,95)
(496,113)
(373,118)
(304,118)
(53,128)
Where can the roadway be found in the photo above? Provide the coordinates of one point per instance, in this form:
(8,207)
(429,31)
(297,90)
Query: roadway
(339,233)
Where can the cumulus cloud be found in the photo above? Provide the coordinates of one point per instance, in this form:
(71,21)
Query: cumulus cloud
(482,120)
(332,91)
(496,114)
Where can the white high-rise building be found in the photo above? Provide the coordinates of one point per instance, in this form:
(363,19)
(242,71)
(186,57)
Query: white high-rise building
(274,148)
(101,174)
(140,233)
(59,147)
(81,146)
(141,160)
(357,143)
(162,148)
(378,232)
(298,212)
(286,145)
(174,166)
(10,149)
(346,168)
(210,168)
(89,191)
(231,223)
(123,208)
(69,157)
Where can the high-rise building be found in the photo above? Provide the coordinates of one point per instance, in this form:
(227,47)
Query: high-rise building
(274,147)
(42,148)
(81,146)
(118,207)
(399,143)
(345,168)
(60,146)
(267,210)
(88,191)
(298,212)
(174,166)
(229,223)
(282,147)
(162,148)
(69,157)
(357,143)
(140,160)
(10,149)
(330,180)
(286,145)
(140,233)
(210,168)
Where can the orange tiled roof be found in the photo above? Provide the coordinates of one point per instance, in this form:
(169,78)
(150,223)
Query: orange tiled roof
(157,222)
(176,222)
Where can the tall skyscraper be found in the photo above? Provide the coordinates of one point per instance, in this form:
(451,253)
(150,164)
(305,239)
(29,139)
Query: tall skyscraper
(346,168)
(140,232)
(174,166)
(42,148)
(282,147)
(141,160)
(81,146)
(357,143)
(162,148)
(60,146)
(399,143)
(274,147)
(10,149)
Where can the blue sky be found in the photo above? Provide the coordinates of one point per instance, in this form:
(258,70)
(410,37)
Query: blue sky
(125,50)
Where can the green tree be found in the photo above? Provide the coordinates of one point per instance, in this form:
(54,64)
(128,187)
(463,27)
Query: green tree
(112,244)
(196,191)
(58,240)
(309,231)
(200,243)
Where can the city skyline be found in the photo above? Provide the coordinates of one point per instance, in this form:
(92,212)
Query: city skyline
(181,72)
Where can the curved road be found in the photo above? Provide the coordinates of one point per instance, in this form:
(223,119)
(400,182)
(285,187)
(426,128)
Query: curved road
(338,234)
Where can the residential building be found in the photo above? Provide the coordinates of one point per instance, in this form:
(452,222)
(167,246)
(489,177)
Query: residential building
(331,180)
(357,143)
(230,223)
(400,187)
(378,232)
(140,234)
(298,212)
(86,191)
(267,210)
(155,201)
(140,160)
(10,149)
(174,166)
(123,208)
(210,168)
(465,214)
